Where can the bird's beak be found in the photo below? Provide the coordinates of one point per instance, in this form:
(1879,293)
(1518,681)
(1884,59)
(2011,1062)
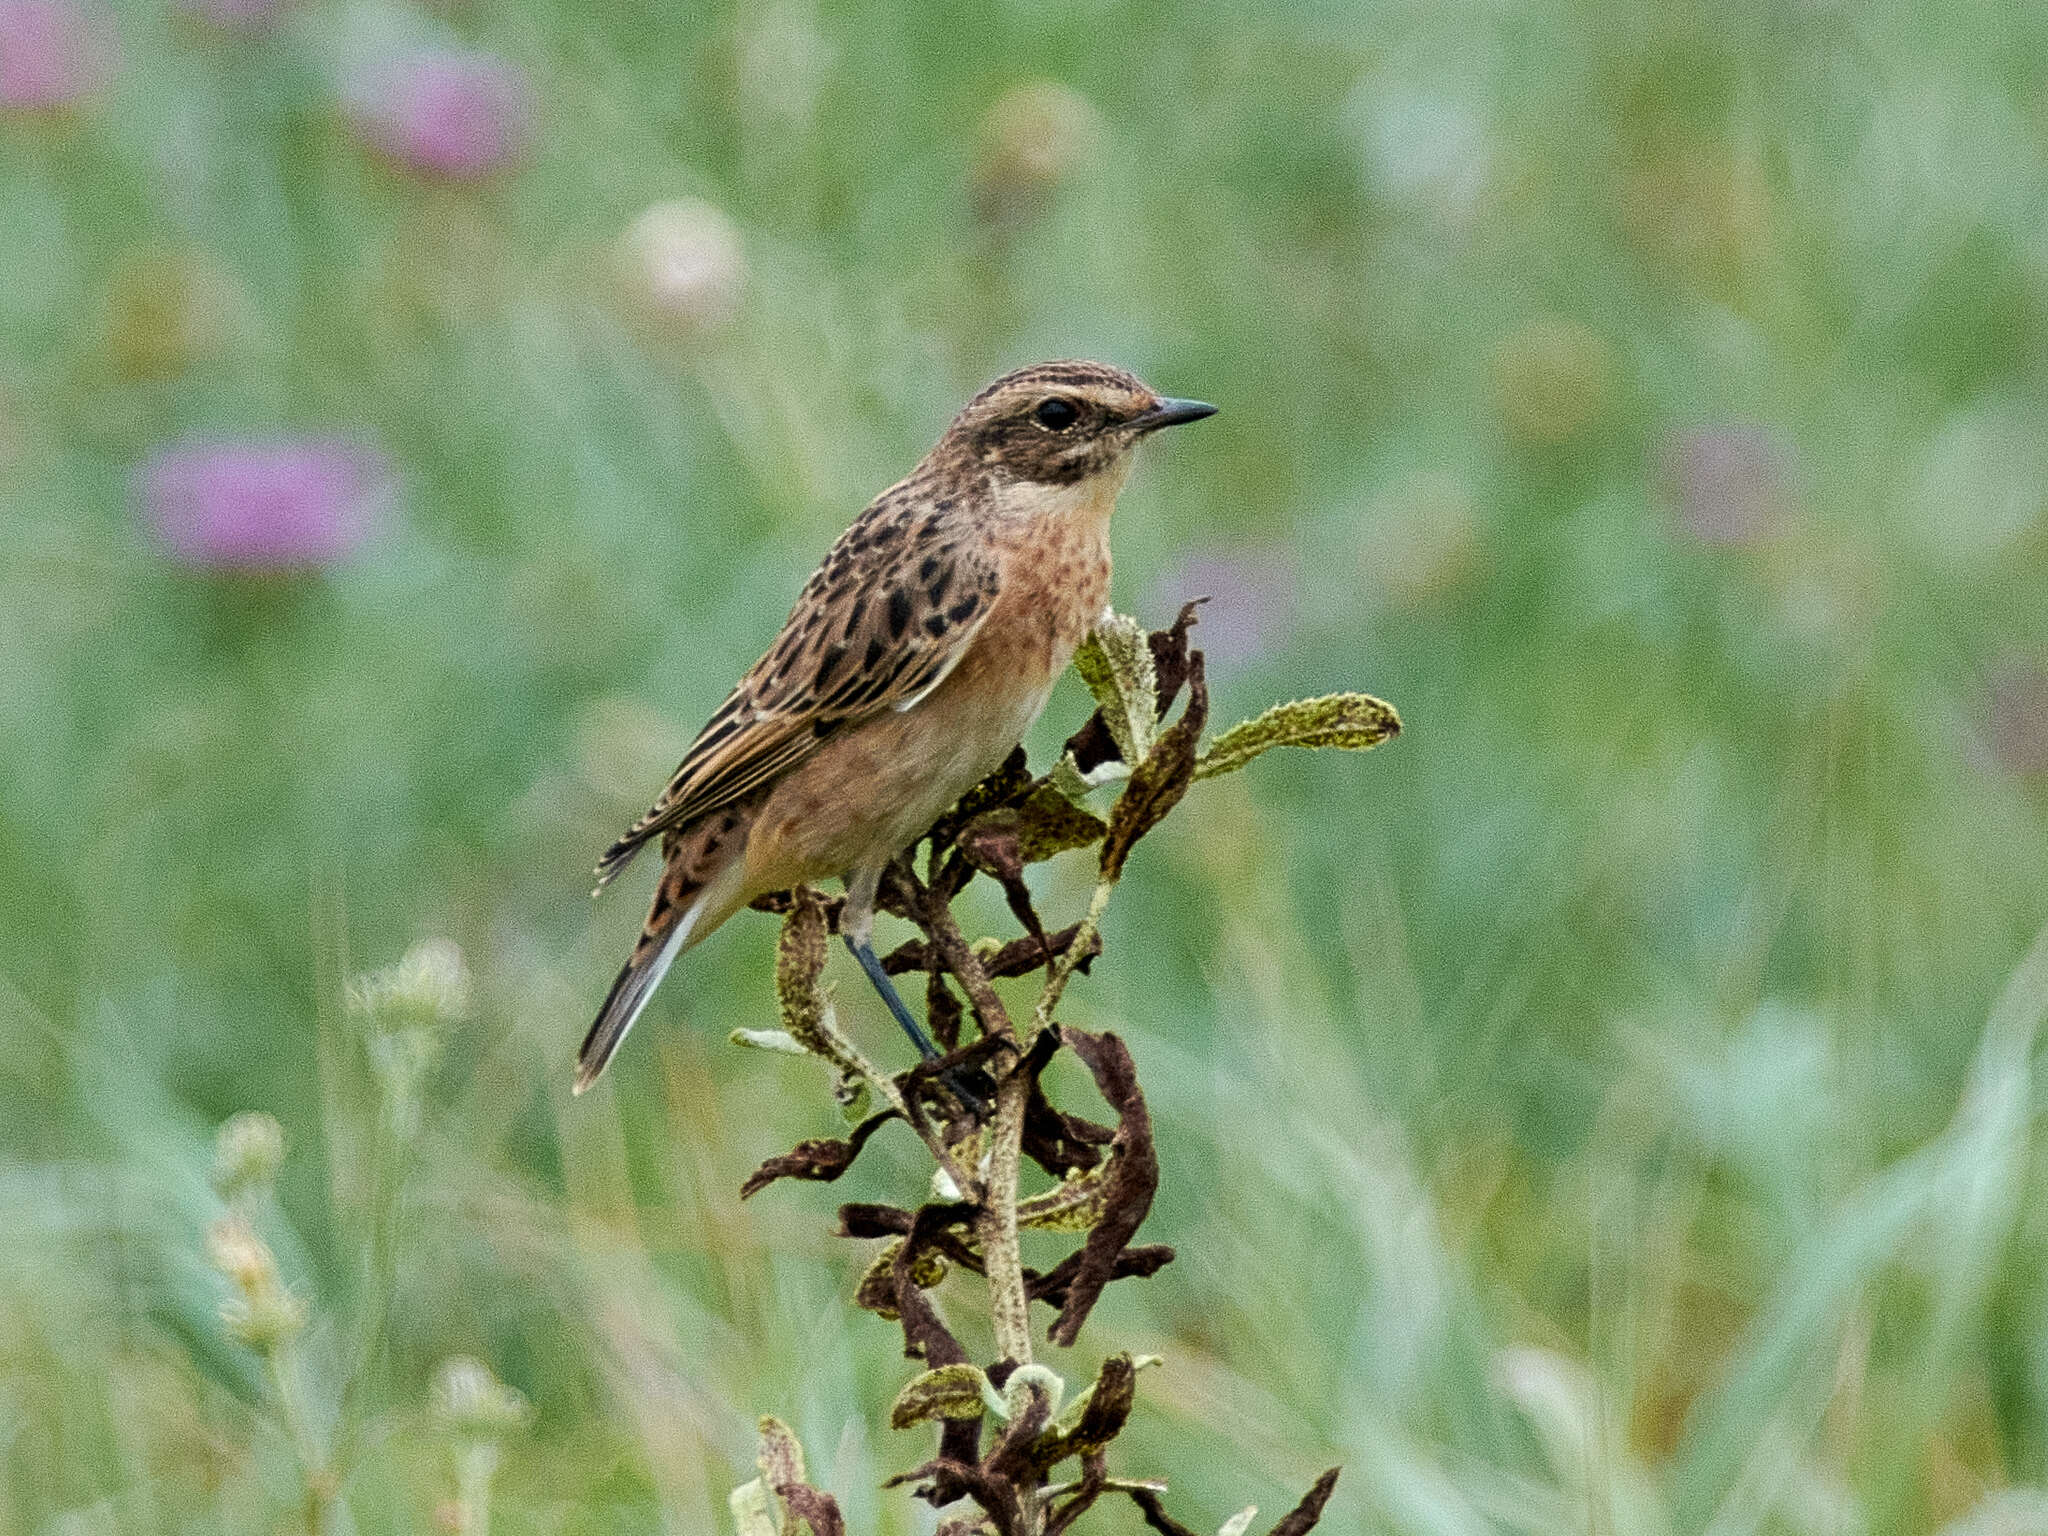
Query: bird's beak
(1170,413)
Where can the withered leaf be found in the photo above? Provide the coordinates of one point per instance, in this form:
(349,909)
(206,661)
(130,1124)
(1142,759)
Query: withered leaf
(1170,653)
(1019,957)
(877,1289)
(1058,1142)
(820,1511)
(947,1478)
(1303,1517)
(1045,824)
(1158,783)
(1075,1204)
(799,961)
(822,1159)
(1031,1409)
(1102,1416)
(993,845)
(942,1011)
(1108,1408)
(925,1337)
(1094,1475)
(1006,786)
(858,1218)
(947,1392)
(781,1460)
(1155,1513)
(1138,1263)
(1090,747)
(1135,1166)
(960,1440)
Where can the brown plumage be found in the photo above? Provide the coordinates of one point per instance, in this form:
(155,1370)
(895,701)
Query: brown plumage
(914,660)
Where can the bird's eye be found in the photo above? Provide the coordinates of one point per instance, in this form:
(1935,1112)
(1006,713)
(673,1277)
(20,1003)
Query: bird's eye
(1056,415)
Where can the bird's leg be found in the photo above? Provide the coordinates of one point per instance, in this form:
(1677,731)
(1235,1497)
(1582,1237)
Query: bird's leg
(856,923)
(864,952)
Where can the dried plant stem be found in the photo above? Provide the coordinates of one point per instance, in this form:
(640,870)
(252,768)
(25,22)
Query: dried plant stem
(1002,1260)
(964,963)
(388,1167)
(1009,1306)
(943,1154)
(1063,968)
(847,1056)
(313,1467)
(998,1434)
(476,1466)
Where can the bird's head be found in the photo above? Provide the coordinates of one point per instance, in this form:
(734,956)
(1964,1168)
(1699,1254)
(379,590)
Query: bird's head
(1063,423)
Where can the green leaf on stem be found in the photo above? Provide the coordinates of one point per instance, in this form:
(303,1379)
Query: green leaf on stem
(1354,722)
(1115,661)
(753,1510)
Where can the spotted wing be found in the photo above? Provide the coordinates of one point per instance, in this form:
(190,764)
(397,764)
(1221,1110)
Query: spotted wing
(888,615)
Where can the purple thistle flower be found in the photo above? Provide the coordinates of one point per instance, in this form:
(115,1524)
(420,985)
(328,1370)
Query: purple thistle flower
(459,115)
(52,53)
(284,504)
(1733,484)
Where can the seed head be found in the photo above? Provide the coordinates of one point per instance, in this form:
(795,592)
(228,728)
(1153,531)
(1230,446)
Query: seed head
(474,1403)
(1033,138)
(684,267)
(247,1154)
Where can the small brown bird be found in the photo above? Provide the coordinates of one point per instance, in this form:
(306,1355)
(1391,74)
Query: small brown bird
(916,658)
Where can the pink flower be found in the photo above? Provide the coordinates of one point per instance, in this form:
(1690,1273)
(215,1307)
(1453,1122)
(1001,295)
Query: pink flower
(52,53)
(265,505)
(1733,484)
(460,115)
(1252,603)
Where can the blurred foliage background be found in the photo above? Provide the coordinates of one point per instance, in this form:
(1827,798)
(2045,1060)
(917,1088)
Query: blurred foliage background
(1580,1116)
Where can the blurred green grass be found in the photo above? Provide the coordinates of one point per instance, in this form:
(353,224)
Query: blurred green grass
(1578,1116)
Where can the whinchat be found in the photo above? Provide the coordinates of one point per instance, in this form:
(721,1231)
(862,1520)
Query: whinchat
(915,659)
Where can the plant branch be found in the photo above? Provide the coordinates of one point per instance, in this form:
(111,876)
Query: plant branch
(1084,944)
(1009,1302)
(1104,1178)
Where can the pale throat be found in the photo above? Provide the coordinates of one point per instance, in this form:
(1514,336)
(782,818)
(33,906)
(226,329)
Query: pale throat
(1080,510)
(1060,566)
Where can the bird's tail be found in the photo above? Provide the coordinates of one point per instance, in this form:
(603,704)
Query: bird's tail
(686,907)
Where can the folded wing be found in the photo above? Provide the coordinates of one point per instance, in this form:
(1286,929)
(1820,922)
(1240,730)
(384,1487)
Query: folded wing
(885,618)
